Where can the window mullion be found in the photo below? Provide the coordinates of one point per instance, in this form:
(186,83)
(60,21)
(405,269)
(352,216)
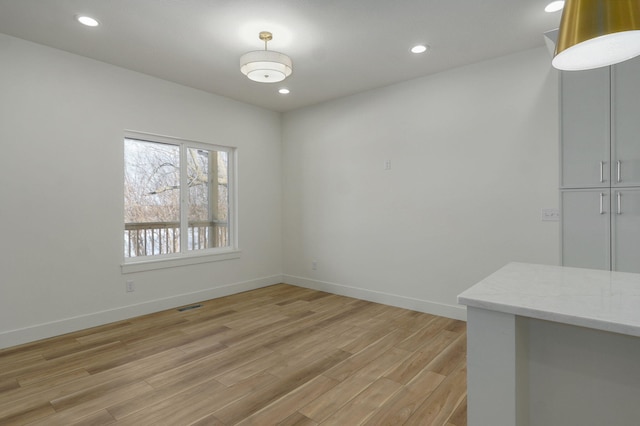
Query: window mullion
(184,201)
(232,198)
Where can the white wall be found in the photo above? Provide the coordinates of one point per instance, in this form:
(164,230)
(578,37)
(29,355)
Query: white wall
(62,119)
(474,157)
(473,154)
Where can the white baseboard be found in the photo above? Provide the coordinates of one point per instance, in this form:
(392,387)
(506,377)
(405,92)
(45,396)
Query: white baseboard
(441,309)
(68,325)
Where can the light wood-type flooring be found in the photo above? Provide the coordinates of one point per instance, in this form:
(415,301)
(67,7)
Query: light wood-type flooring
(280,355)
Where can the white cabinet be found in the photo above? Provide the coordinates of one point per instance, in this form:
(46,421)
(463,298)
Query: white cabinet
(600,126)
(601,228)
(585,115)
(600,167)
(625,129)
(625,228)
(586,228)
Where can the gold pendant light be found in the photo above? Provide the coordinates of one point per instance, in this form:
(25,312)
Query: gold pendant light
(597,33)
(266,66)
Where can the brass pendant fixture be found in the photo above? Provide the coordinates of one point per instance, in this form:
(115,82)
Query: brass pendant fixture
(597,33)
(266,66)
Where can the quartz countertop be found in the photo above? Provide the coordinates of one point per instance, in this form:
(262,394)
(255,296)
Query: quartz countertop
(602,300)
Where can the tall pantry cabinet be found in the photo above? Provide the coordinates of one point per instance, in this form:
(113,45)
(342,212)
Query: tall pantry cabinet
(600,167)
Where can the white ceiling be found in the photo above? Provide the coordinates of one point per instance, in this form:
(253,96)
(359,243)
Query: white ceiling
(338,47)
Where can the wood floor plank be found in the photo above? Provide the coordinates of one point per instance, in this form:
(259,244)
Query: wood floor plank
(181,408)
(249,369)
(308,338)
(365,339)
(261,328)
(205,368)
(360,408)
(405,372)
(105,334)
(255,401)
(298,361)
(329,303)
(330,402)
(439,406)
(12,360)
(8,384)
(99,418)
(286,406)
(29,370)
(80,350)
(278,355)
(413,320)
(210,343)
(447,360)
(362,358)
(27,414)
(20,399)
(49,379)
(459,416)
(158,398)
(425,334)
(307,326)
(297,419)
(401,407)
(89,406)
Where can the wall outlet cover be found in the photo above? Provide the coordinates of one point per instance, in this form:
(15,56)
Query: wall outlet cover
(550,215)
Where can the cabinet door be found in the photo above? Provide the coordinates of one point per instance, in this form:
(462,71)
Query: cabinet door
(625,104)
(585,128)
(625,227)
(585,228)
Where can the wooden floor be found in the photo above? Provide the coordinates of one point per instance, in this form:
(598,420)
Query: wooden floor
(280,355)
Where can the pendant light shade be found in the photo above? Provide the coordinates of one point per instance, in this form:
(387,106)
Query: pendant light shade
(597,33)
(266,66)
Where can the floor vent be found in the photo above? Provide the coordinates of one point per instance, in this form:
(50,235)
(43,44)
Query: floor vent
(188,308)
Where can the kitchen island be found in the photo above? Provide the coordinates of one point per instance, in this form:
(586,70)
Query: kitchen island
(551,345)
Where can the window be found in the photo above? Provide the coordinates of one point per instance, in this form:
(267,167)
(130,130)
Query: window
(177,198)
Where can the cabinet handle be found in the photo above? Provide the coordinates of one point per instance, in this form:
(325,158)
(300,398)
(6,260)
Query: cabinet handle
(601,171)
(619,171)
(602,203)
(619,202)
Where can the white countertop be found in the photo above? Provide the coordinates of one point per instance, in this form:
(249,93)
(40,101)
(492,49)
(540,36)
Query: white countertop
(602,300)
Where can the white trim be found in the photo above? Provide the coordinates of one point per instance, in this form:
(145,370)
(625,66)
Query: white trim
(150,263)
(435,308)
(81,322)
(173,140)
(183,214)
(232,190)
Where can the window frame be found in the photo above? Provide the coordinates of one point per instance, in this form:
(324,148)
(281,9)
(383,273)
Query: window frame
(185,256)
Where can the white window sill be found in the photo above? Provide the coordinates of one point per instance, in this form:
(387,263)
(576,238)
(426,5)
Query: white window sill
(150,264)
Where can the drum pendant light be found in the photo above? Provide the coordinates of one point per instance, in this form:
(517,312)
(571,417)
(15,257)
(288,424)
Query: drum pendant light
(266,66)
(597,33)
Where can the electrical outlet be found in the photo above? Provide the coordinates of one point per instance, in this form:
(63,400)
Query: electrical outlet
(314,265)
(130,287)
(550,215)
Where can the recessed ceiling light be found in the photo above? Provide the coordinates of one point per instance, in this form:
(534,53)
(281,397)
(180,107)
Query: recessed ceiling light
(284,91)
(420,48)
(554,6)
(87,20)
